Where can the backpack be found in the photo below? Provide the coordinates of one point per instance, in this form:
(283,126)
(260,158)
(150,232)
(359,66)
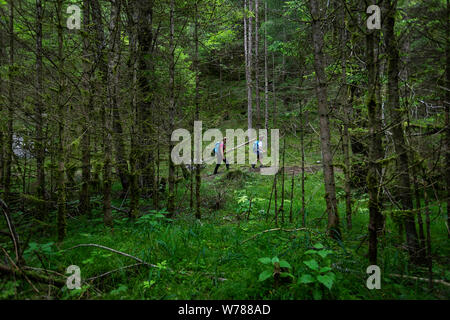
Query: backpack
(256,146)
(217,148)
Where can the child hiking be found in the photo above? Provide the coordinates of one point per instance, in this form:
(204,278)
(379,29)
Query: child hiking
(259,151)
(220,150)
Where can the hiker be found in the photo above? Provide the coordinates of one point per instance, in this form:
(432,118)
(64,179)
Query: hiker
(258,150)
(220,150)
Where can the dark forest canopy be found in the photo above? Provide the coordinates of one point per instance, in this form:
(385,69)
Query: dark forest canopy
(92,90)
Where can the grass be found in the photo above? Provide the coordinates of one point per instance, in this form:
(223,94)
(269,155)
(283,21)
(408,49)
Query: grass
(193,256)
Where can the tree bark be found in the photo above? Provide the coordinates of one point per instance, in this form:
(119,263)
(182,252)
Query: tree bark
(258,102)
(171,198)
(85,207)
(39,110)
(403,191)
(322,99)
(347,106)
(61,202)
(266,71)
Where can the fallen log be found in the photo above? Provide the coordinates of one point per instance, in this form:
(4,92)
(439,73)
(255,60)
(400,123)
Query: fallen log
(32,275)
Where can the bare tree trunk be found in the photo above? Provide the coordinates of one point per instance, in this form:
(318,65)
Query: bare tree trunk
(198,179)
(39,110)
(61,202)
(282,182)
(274,120)
(10,129)
(171,198)
(2,103)
(447,111)
(134,183)
(113,83)
(302,146)
(248,59)
(321,90)
(404,193)
(85,207)
(258,102)
(266,71)
(347,106)
(375,149)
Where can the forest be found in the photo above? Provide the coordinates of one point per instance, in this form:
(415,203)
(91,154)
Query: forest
(319,167)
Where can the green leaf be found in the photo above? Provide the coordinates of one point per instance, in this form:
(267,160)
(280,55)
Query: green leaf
(266,274)
(324,253)
(275,260)
(286,274)
(285,264)
(306,278)
(311,252)
(312,264)
(327,280)
(318,246)
(265,260)
(325,269)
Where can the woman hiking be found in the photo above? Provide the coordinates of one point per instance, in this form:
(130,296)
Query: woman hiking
(220,154)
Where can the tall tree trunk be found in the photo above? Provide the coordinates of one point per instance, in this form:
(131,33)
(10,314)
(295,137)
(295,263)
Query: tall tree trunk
(105,87)
(134,150)
(198,179)
(248,59)
(266,71)
(39,110)
(61,202)
(403,191)
(347,106)
(258,102)
(375,149)
(2,103)
(145,66)
(10,129)
(322,99)
(302,146)
(171,198)
(85,206)
(113,91)
(447,111)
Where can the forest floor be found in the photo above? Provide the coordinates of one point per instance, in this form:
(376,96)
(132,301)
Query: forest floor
(226,253)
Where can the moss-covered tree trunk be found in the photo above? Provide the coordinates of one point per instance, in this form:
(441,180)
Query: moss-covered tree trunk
(39,111)
(85,206)
(375,148)
(403,190)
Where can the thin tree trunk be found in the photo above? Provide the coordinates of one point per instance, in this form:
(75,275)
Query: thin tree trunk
(347,106)
(113,83)
(302,146)
(171,198)
(134,183)
(258,102)
(10,129)
(39,110)
(2,92)
(266,71)
(198,179)
(447,111)
(274,120)
(85,207)
(403,191)
(61,202)
(375,149)
(282,183)
(321,90)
